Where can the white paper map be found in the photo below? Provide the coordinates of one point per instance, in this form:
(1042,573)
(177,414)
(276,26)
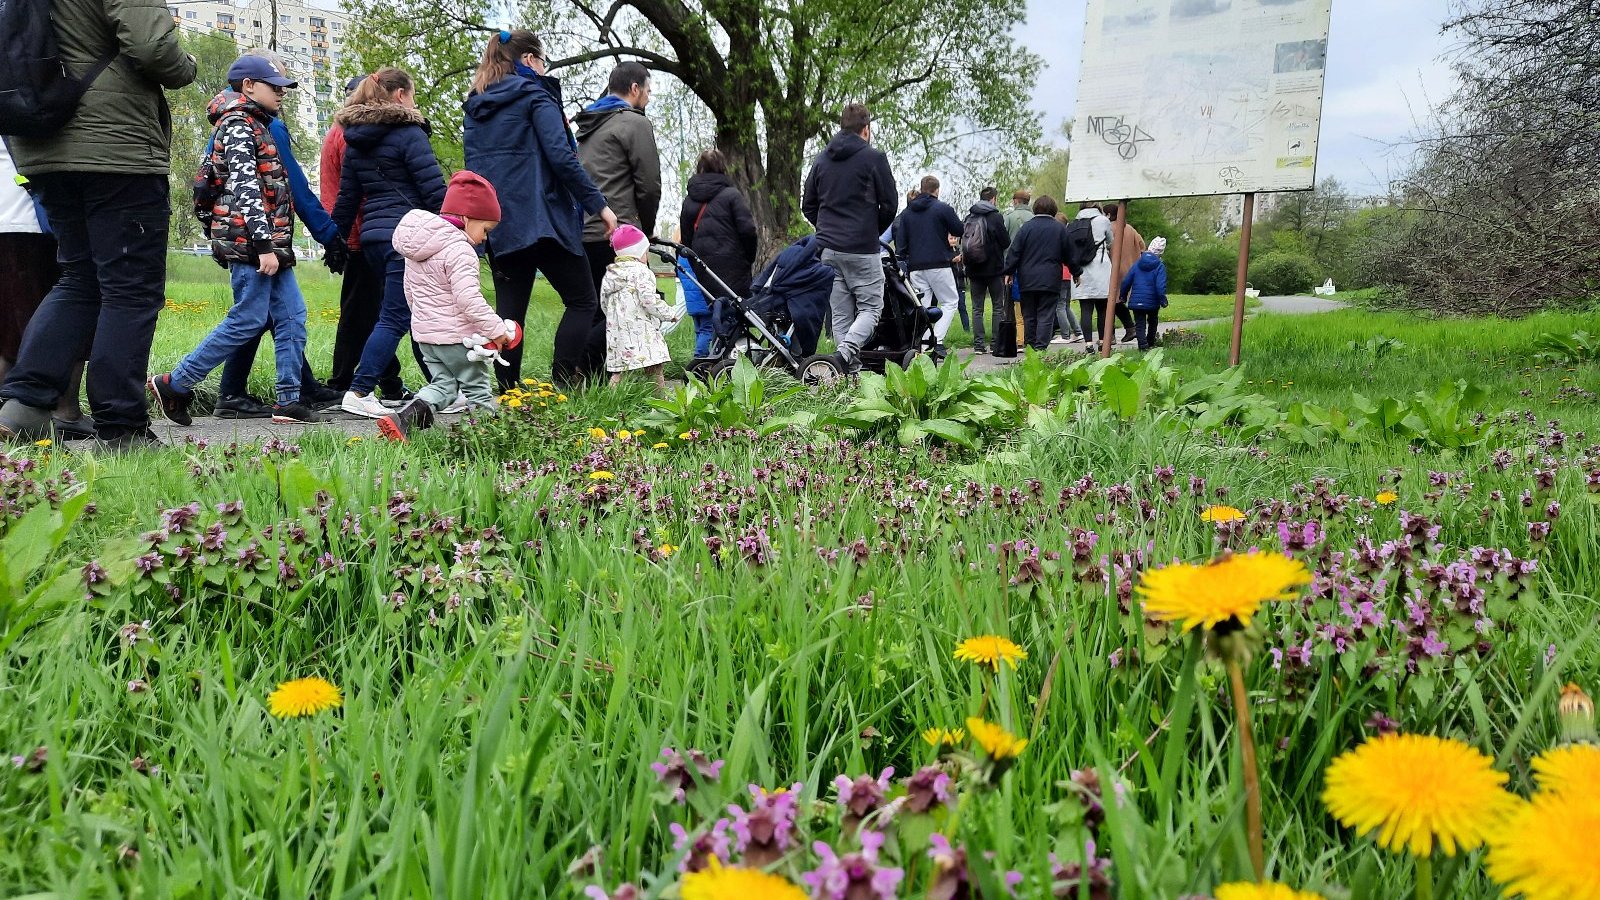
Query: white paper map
(1183,97)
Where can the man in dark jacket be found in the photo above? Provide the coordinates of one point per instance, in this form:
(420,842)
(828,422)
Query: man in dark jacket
(617,146)
(922,238)
(1035,260)
(850,198)
(102,180)
(987,277)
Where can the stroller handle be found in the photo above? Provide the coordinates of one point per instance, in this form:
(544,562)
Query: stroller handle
(668,251)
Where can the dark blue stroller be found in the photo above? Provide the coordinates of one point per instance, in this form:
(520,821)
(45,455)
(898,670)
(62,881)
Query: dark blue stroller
(740,327)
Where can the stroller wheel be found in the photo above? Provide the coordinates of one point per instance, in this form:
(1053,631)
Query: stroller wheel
(718,372)
(823,370)
(699,367)
(909,357)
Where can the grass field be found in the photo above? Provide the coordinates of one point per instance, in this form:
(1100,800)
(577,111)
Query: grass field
(522,615)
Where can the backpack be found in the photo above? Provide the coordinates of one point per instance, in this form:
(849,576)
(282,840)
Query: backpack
(208,184)
(975,240)
(1081,243)
(37,96)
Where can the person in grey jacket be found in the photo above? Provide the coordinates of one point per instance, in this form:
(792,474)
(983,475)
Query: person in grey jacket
(850,198)
(617,146)
(102,181)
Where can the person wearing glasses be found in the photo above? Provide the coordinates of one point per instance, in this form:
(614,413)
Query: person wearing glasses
(517,137)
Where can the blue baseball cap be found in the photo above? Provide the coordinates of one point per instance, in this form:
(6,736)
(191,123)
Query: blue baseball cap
(256,68)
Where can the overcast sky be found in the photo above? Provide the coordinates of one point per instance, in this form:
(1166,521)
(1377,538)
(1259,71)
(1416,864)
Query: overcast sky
(1384,71)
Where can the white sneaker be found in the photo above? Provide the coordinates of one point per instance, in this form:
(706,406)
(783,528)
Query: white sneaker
(1058,339)
(369,406)
(460,406)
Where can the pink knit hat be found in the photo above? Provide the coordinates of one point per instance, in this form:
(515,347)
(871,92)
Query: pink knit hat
(629,241)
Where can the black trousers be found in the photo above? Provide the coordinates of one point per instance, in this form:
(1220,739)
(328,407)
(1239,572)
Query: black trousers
(580,343)
(993,288)
(1146,325)
(111,236)
(1039,318)
(1087,309)
(360,296)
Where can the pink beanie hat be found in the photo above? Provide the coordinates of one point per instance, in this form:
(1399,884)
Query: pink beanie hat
(629,241)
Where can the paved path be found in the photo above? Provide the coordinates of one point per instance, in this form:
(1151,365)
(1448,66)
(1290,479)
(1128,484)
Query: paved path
(1299,305)
(218,431)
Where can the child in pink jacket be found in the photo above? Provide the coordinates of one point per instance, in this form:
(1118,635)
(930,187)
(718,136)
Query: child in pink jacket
(449,317)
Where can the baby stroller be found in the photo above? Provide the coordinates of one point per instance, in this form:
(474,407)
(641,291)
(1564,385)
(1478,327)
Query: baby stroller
(754,328)
(905,329)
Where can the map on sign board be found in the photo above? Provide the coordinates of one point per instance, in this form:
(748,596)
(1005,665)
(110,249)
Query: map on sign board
(1185,97)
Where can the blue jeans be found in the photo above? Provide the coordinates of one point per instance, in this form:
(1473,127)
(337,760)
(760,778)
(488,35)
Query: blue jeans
(702,333)
(256,298)
(394,317)
(236,371)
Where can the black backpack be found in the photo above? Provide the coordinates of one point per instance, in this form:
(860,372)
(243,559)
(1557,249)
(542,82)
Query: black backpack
(974,241)
(1080,241)
(37,95)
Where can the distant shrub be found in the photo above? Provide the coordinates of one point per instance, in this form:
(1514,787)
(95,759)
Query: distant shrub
(1279,273)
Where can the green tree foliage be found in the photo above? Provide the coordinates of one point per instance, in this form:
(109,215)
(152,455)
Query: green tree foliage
(1281,272)
(191,129)
(773,74)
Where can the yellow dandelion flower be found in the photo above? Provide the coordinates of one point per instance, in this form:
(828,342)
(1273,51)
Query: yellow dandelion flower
(658,445)
(686,436)
(514,403)
(624,435)
(1230,588)
(1221,514)
(303,697)
(1415,790)
(591,489)
(353,441)
(666,549)
(43,442)
(529,382)
(995,740)
(1546,848)
(546,385)
(1386,498)
(944,737)
(598,434)
(544,393)
(715,882)
(989,650)
(561,398)
(1573,769)
(601,475)
(1266,890)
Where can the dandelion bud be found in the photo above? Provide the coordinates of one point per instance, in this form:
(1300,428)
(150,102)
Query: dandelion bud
(1577,715)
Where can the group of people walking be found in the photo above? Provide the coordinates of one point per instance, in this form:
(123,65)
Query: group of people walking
(534,196)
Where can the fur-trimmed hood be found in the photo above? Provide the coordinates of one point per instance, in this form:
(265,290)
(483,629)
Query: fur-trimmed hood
(391,115)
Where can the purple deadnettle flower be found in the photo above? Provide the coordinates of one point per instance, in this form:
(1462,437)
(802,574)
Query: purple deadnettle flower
(928,787)
(856,876)
(702,848)
(681,775)
(766,832)
(623,892)
(862,794)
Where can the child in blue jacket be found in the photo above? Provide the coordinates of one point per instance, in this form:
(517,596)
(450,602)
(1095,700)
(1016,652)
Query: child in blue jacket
(1144,289)
(694,302)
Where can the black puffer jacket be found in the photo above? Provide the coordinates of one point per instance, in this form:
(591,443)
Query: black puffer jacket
(716,223)
(1037,254)
(389,169)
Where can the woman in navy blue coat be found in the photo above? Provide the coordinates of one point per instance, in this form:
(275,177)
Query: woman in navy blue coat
(389,170)
(517,137)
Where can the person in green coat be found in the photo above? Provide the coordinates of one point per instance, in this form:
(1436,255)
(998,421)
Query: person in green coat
(102,181)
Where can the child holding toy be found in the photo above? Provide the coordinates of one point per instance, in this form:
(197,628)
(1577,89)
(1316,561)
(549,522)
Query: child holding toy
(634,311)
(456,329)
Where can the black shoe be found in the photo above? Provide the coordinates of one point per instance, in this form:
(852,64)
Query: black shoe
(79,429)
(127,442)
(172,403)
(979,349)
(241,406)
(294,413)
(20,422)
(395,400)
(322,398)
(1129,336)
(414,416)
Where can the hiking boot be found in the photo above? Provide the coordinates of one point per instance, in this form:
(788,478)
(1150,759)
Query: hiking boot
(172,403)
(79,429)
(20,422)
(294,412)
(1128,335)
(369,407)
(241,406)
(414,416)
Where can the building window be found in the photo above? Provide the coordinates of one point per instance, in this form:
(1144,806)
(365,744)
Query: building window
(283,20)
(189,14)
(256,23)
(302,20)
(224,19)
(338,26)
(317,23)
